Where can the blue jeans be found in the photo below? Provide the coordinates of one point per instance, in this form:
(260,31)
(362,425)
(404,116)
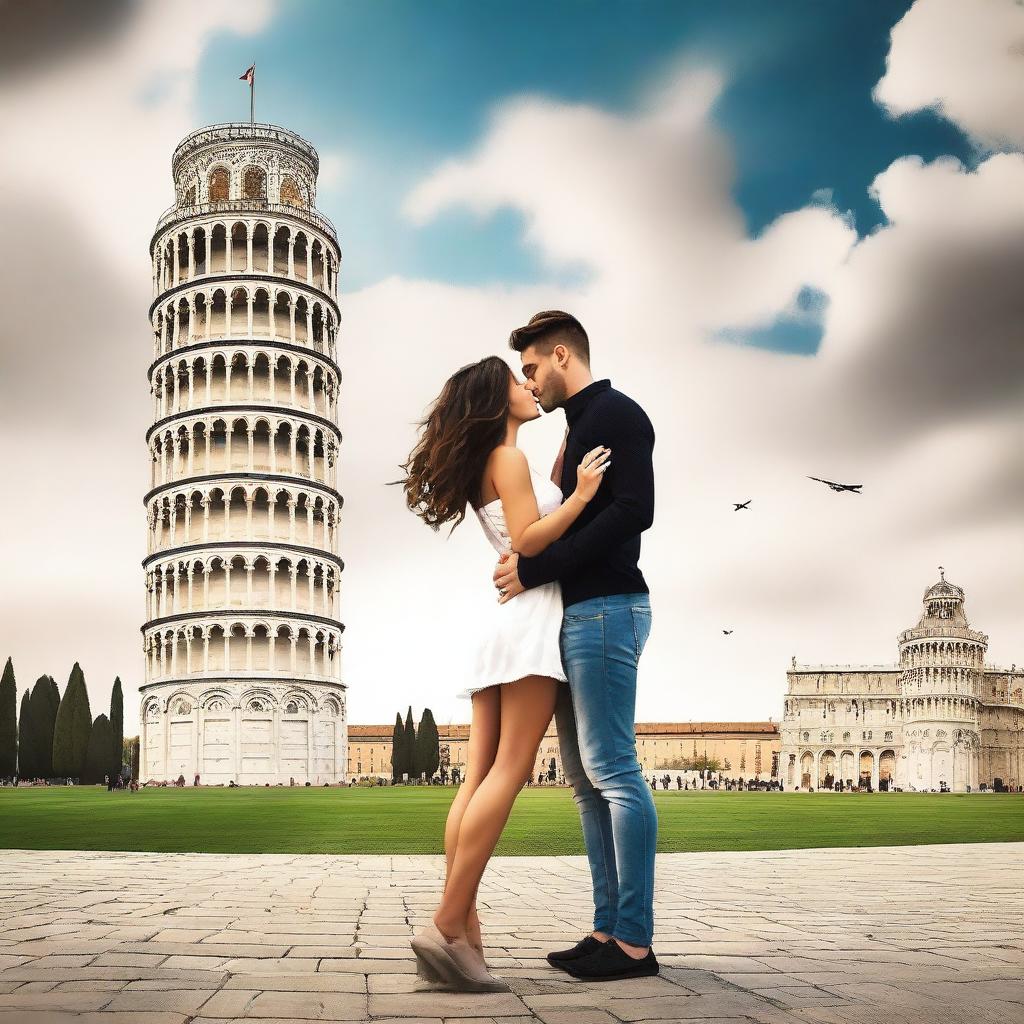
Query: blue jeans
(601,642)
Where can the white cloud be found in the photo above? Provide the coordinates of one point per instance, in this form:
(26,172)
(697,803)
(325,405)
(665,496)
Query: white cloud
(649,192)
(966,61)
(923,329)
(86,172)
(643,202)
(335,169)
(86,138)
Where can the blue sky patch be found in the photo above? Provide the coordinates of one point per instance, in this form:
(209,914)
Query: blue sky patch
(398,86)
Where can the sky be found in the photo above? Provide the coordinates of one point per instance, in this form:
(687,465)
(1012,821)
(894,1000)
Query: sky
(794,232)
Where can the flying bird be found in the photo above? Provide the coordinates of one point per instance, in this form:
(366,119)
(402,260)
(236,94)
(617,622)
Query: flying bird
(736,506)
(853,488)
(726,631)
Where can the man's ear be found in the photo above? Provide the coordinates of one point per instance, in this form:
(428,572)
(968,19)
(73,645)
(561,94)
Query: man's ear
(561,355)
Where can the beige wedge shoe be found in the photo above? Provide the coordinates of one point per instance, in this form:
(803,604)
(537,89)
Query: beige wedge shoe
(429,978)
(456,966)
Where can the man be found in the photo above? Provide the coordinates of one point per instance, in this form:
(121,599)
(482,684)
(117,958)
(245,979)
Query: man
(605,625)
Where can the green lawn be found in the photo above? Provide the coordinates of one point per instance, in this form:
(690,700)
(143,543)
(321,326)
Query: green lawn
(544,821)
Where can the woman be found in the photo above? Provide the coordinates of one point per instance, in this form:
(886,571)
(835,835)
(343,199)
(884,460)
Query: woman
(467,455)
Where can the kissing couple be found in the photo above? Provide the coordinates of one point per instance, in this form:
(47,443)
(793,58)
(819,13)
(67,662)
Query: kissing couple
(571,618)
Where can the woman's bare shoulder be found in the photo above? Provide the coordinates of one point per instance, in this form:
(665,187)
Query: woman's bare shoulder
(507,468)
(507,456)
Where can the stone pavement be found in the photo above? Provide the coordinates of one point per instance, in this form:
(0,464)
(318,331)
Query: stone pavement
(884,935)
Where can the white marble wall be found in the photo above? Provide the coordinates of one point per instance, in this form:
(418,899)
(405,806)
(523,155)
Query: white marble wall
(251,735)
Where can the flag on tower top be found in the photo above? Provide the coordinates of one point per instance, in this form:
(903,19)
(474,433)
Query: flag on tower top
(250,77)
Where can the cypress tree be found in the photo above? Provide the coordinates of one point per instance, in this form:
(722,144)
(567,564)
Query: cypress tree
(132,755)
(54,704)
(8,721)
(81,728)
(72,727)
(397,748)
(428,752)
(61,760)
(409,747)
(26,750)
(116,729)
(97,754)
(45,700)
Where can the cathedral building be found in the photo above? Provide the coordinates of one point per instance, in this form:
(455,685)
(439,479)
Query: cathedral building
(242,640)
(939,719)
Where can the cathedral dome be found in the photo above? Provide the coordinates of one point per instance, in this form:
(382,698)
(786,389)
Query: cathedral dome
(943,590)
(944,601)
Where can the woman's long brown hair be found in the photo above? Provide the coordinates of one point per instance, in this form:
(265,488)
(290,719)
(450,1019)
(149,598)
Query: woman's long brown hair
(466,422)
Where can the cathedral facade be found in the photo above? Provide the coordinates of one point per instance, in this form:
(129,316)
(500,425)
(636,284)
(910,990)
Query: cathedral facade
(241,638)
(939,719)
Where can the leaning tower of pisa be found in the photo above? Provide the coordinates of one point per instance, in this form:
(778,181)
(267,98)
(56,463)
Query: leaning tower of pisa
(942,663)
(242,639)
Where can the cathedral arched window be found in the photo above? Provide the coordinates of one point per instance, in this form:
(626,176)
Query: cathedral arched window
(254,183)
(291,708)
(219,185)
(291,192)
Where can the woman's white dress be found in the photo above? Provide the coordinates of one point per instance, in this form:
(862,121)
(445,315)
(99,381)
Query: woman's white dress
(520,637)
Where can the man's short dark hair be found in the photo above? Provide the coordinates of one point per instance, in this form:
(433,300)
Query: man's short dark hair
(549,328)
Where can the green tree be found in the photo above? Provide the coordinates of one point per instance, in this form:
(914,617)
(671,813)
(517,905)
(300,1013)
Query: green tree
(116,728)
(62,759)
(131,755)
(696,763)
(409,745)
(132,745)
(428,753)
(97,753)
(26,751)
(72,727)
(8,721)
(397,749)
(45,701)
(82,728)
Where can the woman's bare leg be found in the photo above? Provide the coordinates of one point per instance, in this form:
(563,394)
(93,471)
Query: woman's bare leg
(526,709)
(483,745)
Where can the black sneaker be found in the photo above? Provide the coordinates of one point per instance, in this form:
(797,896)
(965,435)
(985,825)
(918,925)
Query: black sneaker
(611,962)
(582,948)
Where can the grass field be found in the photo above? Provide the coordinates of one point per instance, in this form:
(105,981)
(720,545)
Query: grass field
(544,821)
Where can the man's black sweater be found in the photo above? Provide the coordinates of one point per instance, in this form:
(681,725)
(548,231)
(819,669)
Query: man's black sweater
(597,556)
